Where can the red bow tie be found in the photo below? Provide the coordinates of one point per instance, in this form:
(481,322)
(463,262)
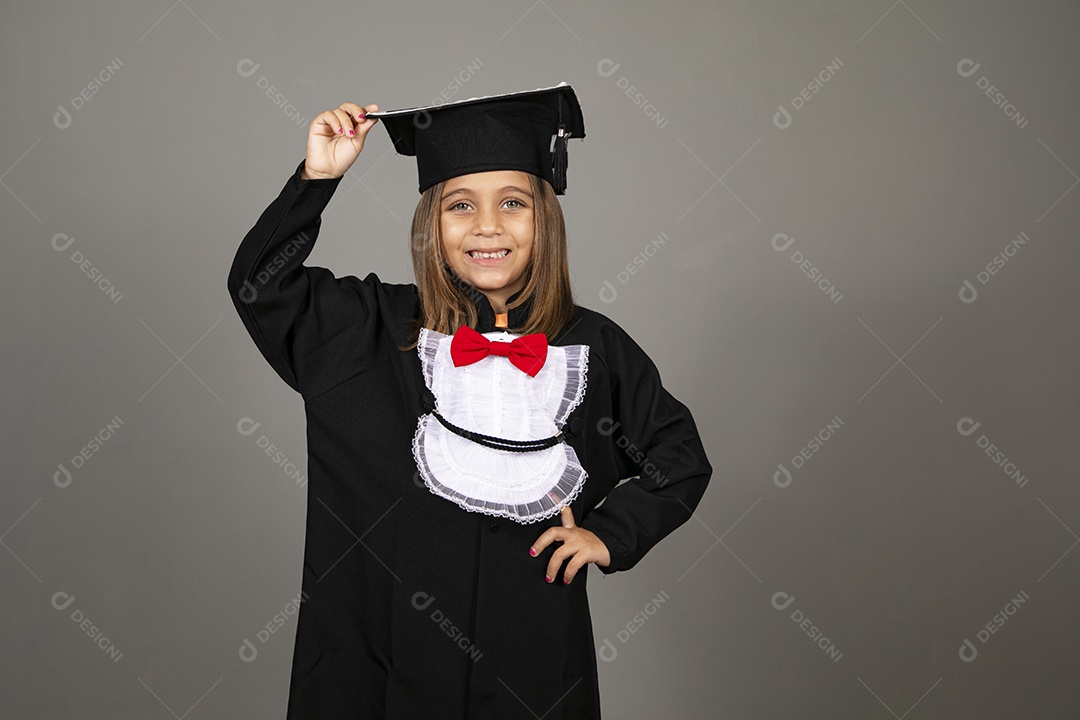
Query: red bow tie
(527,352)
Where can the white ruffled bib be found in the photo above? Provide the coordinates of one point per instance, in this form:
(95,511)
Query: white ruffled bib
(493,397)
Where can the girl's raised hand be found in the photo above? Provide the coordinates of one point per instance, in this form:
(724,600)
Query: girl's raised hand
(335,139)
(578,544)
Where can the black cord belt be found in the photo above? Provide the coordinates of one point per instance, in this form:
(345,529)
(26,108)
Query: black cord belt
(501,443)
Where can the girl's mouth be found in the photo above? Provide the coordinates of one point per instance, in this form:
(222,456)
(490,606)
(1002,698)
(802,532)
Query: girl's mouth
(488,258)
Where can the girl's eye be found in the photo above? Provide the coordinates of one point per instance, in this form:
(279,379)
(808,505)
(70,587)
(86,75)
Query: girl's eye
(511,203)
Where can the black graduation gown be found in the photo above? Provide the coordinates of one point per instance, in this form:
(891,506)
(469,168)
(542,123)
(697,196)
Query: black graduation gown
(416,607)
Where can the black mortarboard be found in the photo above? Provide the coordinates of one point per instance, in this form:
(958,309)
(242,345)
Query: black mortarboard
(493,132)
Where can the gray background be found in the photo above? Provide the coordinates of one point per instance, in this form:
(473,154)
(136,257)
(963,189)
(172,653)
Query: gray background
(898,180)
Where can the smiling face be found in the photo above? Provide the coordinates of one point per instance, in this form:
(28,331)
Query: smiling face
(487,228)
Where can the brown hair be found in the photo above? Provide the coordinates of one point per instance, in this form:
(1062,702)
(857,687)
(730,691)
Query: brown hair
(447,302)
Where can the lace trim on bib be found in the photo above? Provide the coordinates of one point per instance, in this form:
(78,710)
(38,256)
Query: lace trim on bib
(493,397)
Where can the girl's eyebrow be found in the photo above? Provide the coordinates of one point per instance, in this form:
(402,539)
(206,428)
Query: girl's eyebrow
(513,188)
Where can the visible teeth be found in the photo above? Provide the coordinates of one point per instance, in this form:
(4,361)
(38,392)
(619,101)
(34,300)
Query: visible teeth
(501,253)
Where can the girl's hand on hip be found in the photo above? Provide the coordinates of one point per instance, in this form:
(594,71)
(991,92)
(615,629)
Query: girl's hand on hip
(578,544)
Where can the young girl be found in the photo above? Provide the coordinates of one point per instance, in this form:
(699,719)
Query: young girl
(462,431)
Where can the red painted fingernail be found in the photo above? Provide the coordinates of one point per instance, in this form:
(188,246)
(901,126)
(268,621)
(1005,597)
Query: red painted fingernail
(340,130)
(351,132)
(565,581)
(532,552)
(547,578)
(361,116)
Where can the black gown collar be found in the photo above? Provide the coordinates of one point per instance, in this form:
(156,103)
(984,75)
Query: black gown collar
(515,318)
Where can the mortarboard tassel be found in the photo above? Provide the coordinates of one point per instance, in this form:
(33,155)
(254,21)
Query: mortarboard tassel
(561,162)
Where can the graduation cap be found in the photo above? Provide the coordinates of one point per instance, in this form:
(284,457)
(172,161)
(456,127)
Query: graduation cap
(516,131)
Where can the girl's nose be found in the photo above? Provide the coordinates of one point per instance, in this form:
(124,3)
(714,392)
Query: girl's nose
(487,220)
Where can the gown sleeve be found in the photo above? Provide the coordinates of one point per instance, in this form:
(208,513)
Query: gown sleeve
(304,321)
(656,445)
